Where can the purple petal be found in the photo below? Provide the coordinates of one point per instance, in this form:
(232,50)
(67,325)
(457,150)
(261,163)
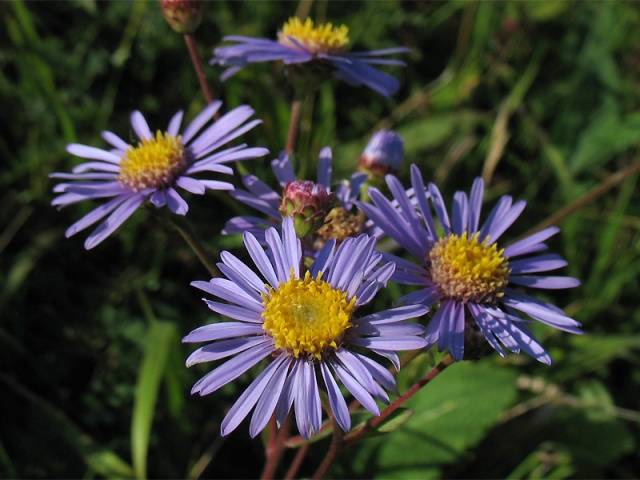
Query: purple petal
(232,311)
(97,166)
(541,263)
(174,124)
(394,315)
(391,343)
(548,282)
(523,246)
(176,203)
(475,204)
(229,291)
(217,185)
(500,225)
(249,397)
(379,373)
(304,402)
(356,369)
(419,191)
(336,400)
(222,349)
(460,213)
(323,258)
(117,218)
(191,185)
(457,339)
(292,249)
(483,320)
(115,140)
(219,331)
(278,255)
(158,198)
(427,296)
(357,390)
(95,215)
(245,272)
(269,399)
(288,393)
(200,120)
(440,208)
(140,126)
(283,169)
(260,259)
(541,311)
(84,151)
(232,369)
(324,167)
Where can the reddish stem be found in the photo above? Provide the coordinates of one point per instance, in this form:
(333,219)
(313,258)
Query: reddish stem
(294,123)
(275,448)
(297,440)
(376,421)
(297,462)
(197,66)
(334,448)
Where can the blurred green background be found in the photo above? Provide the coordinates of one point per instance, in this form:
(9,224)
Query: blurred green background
(541,97)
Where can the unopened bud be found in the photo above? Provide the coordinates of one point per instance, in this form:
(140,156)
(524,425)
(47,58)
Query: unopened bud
(307,203)
(383,154)
(184,16)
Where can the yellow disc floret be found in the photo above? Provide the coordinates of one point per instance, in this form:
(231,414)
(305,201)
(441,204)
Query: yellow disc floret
(321,38)
(307,316)
(466,269)
(153,163)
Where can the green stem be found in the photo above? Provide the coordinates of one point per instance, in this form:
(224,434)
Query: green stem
(186,233)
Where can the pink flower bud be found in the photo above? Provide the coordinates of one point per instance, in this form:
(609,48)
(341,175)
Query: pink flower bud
(308,203)
(184,16)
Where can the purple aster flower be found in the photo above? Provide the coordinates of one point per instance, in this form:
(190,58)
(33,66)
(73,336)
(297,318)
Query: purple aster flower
(301,42)
(303,200)
(304,323)
(464,270)
(383,154)
(129,175)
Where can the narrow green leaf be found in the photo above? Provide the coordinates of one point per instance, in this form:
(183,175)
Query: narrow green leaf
(159,339)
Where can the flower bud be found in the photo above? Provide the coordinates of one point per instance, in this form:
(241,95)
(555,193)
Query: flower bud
(184,16)
(383,154)
(308,204)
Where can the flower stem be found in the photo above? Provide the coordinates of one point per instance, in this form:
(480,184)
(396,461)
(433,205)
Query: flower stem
(297,462)
(186,233)
(197,66)
(337,442)
(275,448)
(376,421)
(294,123)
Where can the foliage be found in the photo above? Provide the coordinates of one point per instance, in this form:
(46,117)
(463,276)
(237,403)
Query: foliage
(542,95)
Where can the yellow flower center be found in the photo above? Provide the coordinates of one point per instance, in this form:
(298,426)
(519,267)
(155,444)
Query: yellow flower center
(321,38)
(306,316)
(468,270)
(154,163)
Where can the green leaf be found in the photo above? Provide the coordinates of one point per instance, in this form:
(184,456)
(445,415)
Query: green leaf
(451,414)
(160,337)
(59,428)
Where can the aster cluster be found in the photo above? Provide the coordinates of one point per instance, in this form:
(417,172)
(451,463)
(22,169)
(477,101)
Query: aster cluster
(296,302)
